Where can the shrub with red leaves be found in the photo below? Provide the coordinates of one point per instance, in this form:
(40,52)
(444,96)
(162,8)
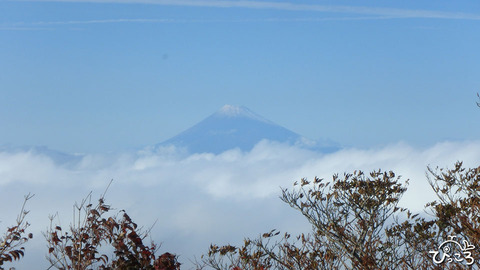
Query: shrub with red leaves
(79,247)
(11,244)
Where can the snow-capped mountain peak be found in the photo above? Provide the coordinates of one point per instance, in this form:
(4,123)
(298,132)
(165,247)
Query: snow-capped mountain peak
(239,111)
(236,127)
(232,110)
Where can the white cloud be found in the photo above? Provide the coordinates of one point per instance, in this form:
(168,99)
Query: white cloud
(203,198)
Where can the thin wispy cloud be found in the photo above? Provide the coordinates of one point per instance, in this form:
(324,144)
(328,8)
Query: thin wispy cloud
(291,6)
(104,21)
(42,25)
(15,28)
(356,13)
(112,21)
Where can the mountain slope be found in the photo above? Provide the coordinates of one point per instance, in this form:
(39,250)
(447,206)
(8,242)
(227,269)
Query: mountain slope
(236,127)
(58,157)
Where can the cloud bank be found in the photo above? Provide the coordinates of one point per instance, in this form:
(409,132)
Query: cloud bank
(200,199)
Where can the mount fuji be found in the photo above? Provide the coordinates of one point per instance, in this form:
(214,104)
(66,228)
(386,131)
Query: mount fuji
(238,127)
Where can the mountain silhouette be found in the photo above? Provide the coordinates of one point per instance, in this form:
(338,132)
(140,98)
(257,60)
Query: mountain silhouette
(238,127)
(58,157)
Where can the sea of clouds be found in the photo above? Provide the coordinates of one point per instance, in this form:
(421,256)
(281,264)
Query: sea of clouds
(194,200)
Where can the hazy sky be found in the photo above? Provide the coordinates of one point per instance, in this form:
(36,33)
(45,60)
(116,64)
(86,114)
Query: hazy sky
(109,75)
(393,81)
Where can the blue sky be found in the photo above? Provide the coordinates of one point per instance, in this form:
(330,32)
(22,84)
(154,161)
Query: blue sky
(93,76)
(395,82)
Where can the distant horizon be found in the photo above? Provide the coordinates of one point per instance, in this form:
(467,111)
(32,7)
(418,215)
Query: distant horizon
(235,107)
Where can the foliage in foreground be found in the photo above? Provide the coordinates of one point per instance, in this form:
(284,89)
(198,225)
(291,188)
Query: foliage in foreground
(11,244)
(357,224)
(80,247)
